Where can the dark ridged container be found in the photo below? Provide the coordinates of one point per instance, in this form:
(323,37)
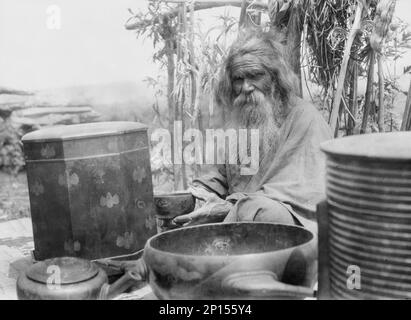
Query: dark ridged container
(368,187)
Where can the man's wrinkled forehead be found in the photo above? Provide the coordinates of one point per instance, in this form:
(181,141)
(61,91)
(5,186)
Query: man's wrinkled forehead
(243,65)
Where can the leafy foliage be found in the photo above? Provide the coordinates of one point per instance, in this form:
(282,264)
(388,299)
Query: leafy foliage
(327,27)
(398,40)
(197,55)
(327,24)
(156,24)
(11,152)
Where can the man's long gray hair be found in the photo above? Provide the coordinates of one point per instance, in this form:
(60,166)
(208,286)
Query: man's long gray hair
(269,52)
(260,110)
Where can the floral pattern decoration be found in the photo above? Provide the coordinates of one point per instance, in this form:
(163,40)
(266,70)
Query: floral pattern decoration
(125,241)
(68,179)
(139,174)
(109,201)
(47,152)
(37,188)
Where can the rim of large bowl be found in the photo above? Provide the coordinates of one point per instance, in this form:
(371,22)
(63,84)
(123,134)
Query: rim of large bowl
(148,244)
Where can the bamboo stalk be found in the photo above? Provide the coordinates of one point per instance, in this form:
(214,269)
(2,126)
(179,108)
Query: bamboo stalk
(243,14)
(193,66)
(341,79)
(355,92)
(368,93)
(170,84)
(294,32)
(340,111)
(406,120)
(195,83)
(169,51)
(180,176)
(195,77)
(381,107)
(353,104)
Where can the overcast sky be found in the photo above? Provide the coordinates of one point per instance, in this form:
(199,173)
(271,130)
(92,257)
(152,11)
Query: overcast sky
(91,47)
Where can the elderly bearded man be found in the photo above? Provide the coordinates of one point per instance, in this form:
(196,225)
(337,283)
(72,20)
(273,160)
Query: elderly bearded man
(257,90)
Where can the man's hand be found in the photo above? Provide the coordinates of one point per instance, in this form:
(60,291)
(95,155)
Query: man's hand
(210,208)
(214,210)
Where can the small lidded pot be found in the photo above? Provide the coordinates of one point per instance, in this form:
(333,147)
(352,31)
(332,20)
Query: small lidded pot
(65,278)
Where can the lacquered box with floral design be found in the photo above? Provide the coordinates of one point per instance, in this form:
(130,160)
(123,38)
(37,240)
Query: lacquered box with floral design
(90,188)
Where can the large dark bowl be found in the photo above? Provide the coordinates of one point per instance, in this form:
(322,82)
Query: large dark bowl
(231,261)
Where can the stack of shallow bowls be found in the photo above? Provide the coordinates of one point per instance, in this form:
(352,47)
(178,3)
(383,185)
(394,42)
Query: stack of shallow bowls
(368,183)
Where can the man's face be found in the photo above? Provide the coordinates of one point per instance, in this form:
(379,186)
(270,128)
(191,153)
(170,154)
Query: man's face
(248,75)
(252,92)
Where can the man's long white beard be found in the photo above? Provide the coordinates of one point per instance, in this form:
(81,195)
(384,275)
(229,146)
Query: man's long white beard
(257,111)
